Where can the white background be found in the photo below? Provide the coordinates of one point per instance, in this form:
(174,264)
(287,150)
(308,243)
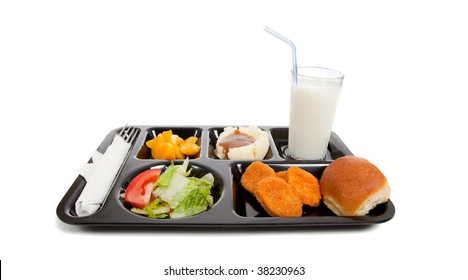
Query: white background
(72,71)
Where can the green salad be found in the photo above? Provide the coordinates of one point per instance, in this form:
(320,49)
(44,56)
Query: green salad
(172,194)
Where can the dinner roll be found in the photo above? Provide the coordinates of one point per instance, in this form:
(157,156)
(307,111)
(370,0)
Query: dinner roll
(352,186)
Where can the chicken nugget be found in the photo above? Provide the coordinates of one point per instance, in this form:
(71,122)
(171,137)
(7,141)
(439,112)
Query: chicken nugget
(277,198)
(254,173)
(305,185)
(282,174)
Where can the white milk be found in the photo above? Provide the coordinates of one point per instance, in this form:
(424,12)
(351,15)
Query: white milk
(313,106)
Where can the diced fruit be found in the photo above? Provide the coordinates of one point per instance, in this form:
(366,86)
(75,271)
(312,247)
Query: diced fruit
(170,146)
(177,152)
(163,150)
(150,143)
(189,146)
(176,139)
(191,140)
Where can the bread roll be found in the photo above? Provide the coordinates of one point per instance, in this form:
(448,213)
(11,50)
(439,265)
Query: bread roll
(352,186)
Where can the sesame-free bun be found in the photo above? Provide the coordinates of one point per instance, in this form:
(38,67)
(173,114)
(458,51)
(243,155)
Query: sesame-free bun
(352,186)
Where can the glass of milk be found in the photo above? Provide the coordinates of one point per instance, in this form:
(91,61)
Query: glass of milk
(313,104)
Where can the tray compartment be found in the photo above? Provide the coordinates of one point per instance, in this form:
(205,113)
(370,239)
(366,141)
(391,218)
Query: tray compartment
(246,205)
(197,171)
(184,132)
(335,149)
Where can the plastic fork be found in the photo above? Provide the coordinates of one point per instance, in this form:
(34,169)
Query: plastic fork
(128,133)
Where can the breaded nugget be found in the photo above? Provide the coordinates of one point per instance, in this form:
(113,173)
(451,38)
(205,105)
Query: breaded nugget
(254,173)
(305,185)
(277,198)
(282,174)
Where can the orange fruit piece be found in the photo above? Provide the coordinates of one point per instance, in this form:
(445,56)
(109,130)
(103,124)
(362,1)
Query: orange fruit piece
(190,147)
(160,149)
(150,143)
(173,140)
(191,139)
(170,146)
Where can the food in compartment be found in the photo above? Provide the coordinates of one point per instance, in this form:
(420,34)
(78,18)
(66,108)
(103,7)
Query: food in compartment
(254,173)
(349,186)
(140,189)
(289,189)
(243,143)
(170,194)
(169,146)
(278,198)
(352,186)
(282,174)
(305,186)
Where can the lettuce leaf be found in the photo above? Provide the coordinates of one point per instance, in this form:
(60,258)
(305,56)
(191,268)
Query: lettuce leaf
(185,195)
(166,177)
(181,189)
(157,209)
(177,185)
(195,202)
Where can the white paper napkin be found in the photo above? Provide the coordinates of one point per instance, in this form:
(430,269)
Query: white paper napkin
(100,175)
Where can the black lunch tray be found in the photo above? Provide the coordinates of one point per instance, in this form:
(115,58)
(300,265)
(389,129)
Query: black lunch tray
(233,205)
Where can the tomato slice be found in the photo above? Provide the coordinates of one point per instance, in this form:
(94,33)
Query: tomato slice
(138,193)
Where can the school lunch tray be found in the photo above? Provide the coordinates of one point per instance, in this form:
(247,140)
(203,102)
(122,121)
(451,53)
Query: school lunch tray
(233,205)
